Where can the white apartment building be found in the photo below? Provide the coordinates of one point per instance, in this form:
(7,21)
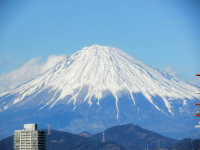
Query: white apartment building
(29,138)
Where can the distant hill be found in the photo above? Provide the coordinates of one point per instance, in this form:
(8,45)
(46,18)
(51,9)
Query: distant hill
(123,137)
(66,141)
(59,140)
(134,137)
(187,144)
(6,143)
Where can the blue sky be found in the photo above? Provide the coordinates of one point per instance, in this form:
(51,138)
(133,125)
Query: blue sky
(161,33)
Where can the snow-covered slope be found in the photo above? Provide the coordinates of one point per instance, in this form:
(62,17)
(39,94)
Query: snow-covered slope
(98,69)
(99,87)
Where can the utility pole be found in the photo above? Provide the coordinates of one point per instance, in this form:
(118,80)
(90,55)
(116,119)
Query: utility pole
(158,145)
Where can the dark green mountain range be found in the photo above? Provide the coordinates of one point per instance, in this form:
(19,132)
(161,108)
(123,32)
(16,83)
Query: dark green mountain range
(123,137)
(132,136)
(58,140)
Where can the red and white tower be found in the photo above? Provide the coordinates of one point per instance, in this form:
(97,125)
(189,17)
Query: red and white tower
(198,109)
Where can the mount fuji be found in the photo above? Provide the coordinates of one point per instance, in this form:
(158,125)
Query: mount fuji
(99,87)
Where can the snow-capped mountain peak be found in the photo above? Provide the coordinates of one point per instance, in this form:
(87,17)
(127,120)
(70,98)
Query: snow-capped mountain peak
(93,71)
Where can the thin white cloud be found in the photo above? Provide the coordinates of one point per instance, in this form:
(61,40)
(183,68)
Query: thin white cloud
(195,81)
(170,70)
(174,72)
(2,89)
(28,71)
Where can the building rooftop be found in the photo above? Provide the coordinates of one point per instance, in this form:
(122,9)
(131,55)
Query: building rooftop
(31,127)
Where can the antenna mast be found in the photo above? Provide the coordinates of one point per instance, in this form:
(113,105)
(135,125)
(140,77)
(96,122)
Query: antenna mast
(49,131)
(103,137)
